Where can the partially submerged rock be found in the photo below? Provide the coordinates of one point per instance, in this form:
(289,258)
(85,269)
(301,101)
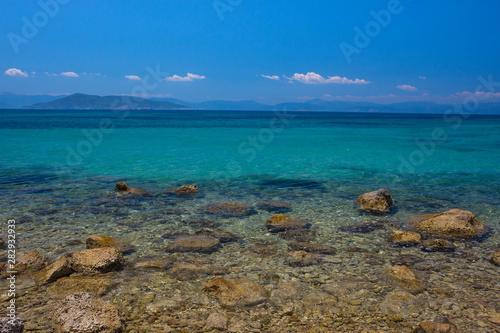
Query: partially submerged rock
(452,224)
(405,278)
(85,313)
(51,273)
(99,260)
(404,238)
(274,206)
(282,222)
(377,202)
(32,261)
(437,245)
(228,209)
(122,188)
(311,247)
(185,190)
(204,244)
(97,241)
(232,293)
(301,259)
(495,258)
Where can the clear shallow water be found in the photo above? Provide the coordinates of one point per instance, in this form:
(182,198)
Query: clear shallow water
(56,168)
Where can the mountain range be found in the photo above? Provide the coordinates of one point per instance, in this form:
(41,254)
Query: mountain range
(83,101)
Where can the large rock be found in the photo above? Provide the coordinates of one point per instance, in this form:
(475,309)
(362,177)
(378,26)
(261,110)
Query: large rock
(405,278)
(122,188)
(404,238)
(8,325)
(495,258)
(51,273)
(377,202)
(204,244)
(32,261)
(228,209)
(185,190)
(437,245)
(99,260)
(274,206)
(232,293)
(85,313)
(282,222)
(454,224)
(97,241)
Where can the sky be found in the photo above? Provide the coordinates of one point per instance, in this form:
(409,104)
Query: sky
(267,51)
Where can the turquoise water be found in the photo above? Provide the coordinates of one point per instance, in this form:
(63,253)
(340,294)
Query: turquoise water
(58,170)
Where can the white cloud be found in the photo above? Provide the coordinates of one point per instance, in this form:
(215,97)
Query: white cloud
(422,77)
(15,72)
(189,77)
(406,87)
(133,77)
(70,74)
(313,78)
(271,77)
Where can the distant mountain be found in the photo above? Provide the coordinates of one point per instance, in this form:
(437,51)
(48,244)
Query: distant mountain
(13,101)
(93,102)
(220,105)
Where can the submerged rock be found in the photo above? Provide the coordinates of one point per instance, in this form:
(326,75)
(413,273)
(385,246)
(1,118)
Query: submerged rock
(233,293)
(405,278)
(362,228)
(453,224)
(204,244)
(97,285)
(202,223)
(159,263)
(51,273)
(402,303)
(8,325)
(406,260)
(185,190)
(404,238)
(32,261)
(301,259)
(85,313)
(216,321)
(495,258)
(195,269)
(122,188)
(437,245)
(377,202)
(99,260)
(221,235)
(281,222)
(274,206)
(311,247)
(299,235)
(97,241)
(228,209)
(439,325)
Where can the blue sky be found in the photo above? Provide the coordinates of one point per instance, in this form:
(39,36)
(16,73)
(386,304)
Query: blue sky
(206,49)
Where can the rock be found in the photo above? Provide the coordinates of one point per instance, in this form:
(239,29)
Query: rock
(185,190)
(233,293)
(437,245)
(195,269)
(216,321)
(495,258)
(122,188)
(97,241)
(405,278)
(281,222)
(377,202)
(404,238)
(439,325)
(299,235)
(452,224)
(51,273)
(362,227)
(221,235)
(310,247)
(204,244)
(228,209)
(176,234)
(288,291)
(274,206)
(97,285)
(99,260)
(301,259)
(8,325)
(85,313)
(406,260)
(32,261)
(402,303)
